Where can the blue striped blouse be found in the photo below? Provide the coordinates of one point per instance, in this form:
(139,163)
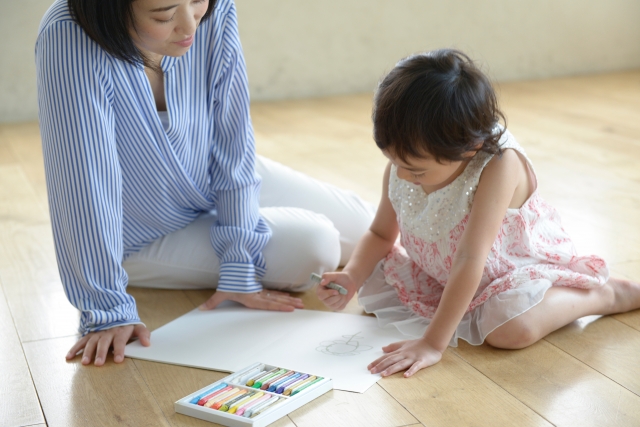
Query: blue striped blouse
(117,180)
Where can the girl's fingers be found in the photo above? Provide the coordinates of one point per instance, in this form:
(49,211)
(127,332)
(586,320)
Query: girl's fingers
(375,362)
(103,347)
(397,367)
(385,363)
(392,347)
(333,302)
(344,300)
(324,293)
(414,368)
(73,352)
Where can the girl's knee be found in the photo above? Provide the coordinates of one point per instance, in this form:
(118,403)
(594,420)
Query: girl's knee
(513,335)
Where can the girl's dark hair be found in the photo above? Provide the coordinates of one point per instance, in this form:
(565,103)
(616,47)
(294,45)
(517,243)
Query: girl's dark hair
(437,103)
(108,22)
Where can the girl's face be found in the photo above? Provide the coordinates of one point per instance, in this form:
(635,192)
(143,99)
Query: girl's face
(165,27)
(427,172)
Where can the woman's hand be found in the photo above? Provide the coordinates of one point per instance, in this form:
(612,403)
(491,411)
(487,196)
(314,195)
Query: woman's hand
(100,342)
(332,298)
(263,300)
(412,354)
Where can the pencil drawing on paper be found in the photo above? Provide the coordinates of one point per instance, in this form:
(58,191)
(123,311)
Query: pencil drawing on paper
(351,347)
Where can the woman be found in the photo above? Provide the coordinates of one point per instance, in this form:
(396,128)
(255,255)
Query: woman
(152,174)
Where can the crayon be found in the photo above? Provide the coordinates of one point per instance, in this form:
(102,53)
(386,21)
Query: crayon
(259,383)
(205,399)
(316,279)
(275,386)
(243,402)
(238,398)
(283,387)
(251,404)
(251,411)
(196,399)
(299,389)
(220,397)
(267,384)
(295,385)
(229,397)
(267,406)
(260,375)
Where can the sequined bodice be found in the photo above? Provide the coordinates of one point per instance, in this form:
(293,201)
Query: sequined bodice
(433,216)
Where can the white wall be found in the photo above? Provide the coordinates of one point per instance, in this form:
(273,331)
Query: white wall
(302,48)
(299,48)
(19,21)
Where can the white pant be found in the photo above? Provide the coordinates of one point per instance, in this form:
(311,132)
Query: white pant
(315,228)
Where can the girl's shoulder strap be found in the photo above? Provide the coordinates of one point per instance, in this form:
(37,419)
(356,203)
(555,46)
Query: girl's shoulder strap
(506,141)
(472,172)
(509,141)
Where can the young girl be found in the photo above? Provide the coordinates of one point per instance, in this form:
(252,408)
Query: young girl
(481,255)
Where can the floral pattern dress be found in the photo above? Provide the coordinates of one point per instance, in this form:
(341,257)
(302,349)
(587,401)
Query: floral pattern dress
(531,253)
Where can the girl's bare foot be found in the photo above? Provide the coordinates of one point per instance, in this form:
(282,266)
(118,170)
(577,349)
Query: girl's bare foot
(626,295)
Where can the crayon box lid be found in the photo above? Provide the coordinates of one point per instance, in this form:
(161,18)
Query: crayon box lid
(231,402)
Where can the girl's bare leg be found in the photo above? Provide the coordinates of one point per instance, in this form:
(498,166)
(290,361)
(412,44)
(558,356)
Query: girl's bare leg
(561,306)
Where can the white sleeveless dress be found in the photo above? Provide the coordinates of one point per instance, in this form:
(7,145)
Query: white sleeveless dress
(531,253)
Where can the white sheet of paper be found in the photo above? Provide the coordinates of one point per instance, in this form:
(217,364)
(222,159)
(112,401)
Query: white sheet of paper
(334,345)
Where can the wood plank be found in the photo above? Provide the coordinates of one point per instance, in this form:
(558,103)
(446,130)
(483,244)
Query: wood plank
(629,269)
(44,315)
(597,341)
(320,137)
(340,408)
(7,157)
(446,394)
(631,319)
(26,237)
(169,383)
(157,307)
(20,405)
(75,395)
(198,296)
(555,385)
(28,268)
(26,146)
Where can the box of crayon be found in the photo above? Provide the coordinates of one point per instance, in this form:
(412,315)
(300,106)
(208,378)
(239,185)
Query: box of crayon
(255,396)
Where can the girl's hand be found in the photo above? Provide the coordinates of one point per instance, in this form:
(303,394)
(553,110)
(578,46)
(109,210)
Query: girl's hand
(332,298)
(412,354)
(263,300)
(100,342)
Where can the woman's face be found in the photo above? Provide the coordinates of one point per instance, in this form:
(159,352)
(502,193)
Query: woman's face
(166,27)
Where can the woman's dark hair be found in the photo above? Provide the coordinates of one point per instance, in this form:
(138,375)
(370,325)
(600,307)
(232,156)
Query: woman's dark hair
(108,22)
(437,103)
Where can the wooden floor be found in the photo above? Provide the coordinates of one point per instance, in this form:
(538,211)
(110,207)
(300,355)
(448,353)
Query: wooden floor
(583,135)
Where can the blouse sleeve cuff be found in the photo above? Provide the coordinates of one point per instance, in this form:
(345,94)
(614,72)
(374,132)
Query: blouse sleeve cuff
(100,320)
(239,277)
